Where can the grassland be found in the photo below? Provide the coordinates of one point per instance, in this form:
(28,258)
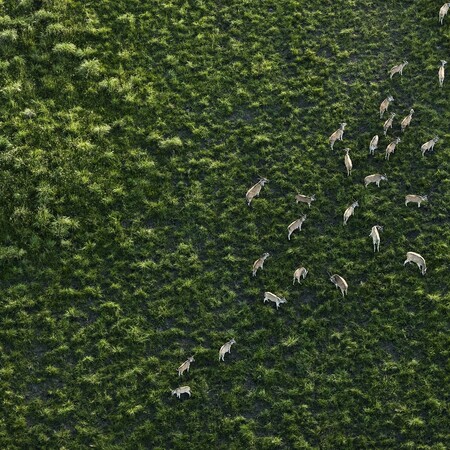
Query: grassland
(129,134)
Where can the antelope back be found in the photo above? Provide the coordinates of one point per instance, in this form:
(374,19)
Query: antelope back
(341,282)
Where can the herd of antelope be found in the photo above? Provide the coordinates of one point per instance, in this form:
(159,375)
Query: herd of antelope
(301,272)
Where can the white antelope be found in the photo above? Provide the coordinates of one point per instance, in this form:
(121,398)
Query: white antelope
(182,390)
(388,123)
(348,162)
(385,104)
(429,145)
(304,199)
(375,178)
(391,148)
(349,212)
(443,12)
(398,69)
(259,263)
(407,120)
(337,135)
(226,348)
(441,73)
(418,259)
(412,198)
(375,235)
(340,283)
(274,298)
(373,145)
(299,273)
(255,190)
(295,225)
(185,366)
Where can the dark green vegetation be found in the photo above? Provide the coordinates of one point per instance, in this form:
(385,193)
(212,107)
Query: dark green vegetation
(130,132)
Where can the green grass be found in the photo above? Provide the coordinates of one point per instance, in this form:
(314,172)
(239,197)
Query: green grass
(129,134)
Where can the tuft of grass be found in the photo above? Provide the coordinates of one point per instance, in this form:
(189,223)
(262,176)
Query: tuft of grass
(91,68)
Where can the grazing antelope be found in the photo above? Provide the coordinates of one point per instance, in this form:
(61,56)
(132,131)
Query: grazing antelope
(442,73)
(385,104)
(388,123)
(255,190)
(429,146)
(182,390)
(407,120)
(337,135)
(412,198)
(274,298)
(340,283)
(418,259)
(305,199)
(398,69)
(348,162)
(349,211)
(259,263)
(373,145)
(391,148)
(301,272)
(443,12)
(226,348)
(295,225)
(185,366)
(375,178)
(376,237)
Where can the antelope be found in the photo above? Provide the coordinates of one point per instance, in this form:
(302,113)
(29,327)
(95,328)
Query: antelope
(412,198)
(182,390)
(429,145)
(185,366)
(295,225)
(375,178)
(349,211)
(442,73)
(305,199)
(376,237)
(348,162)
(418,259)
(340,283)
(373,145)
(385,104)
(398,69)
(388,123)
(337,135)
(407,120)
(443,12)
(255,190)
(391,147)
(226,348)
(301,272)
(259,263)
(274,298)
